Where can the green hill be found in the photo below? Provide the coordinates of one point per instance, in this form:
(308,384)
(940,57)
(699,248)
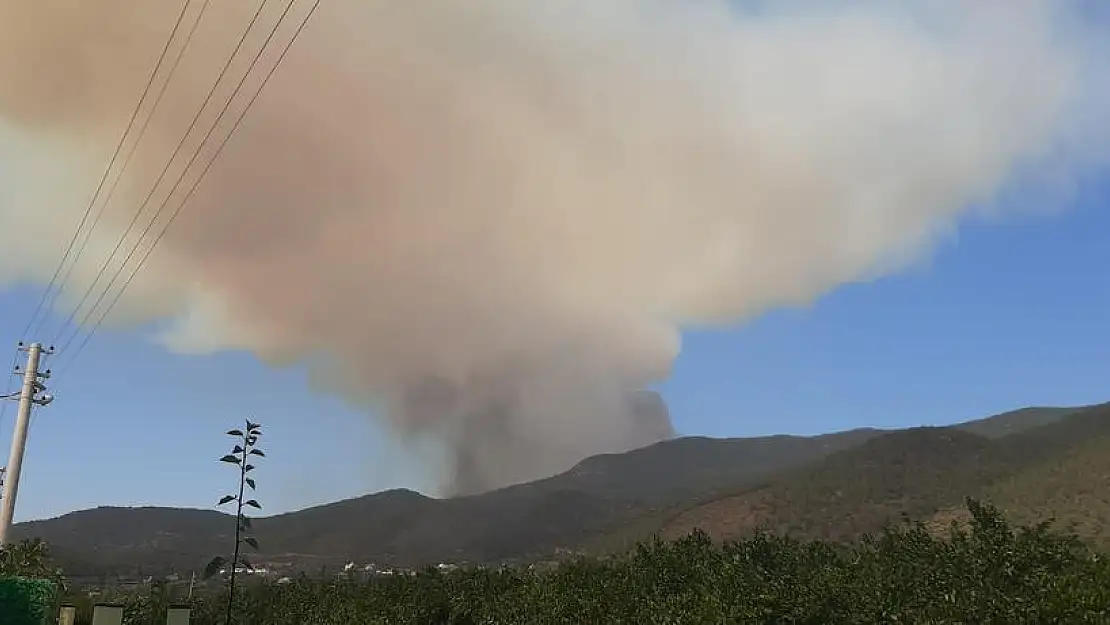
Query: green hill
(923,474)
(831,486)
(1068,481)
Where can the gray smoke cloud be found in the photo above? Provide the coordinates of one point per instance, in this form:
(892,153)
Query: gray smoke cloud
(490,218)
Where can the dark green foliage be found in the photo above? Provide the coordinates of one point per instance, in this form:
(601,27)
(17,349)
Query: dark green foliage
(985,572)
(25,601)
(29,558)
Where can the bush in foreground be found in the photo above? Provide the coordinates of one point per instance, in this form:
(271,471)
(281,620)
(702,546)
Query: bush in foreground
(986,572)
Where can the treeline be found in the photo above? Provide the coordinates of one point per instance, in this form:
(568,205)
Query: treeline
(982,572)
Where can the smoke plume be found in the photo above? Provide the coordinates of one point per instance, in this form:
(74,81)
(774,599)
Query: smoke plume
(488,219)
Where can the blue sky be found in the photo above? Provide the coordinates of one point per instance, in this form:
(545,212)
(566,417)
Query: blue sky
(1007,313)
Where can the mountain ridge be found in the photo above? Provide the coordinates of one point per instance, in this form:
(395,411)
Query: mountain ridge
(915,474)
(602,503)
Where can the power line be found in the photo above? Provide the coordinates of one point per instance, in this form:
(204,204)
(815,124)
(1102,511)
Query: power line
(165,170)
(204,171)
(196,184)
(9,376)
(142,207)
(130,153)
(119,146)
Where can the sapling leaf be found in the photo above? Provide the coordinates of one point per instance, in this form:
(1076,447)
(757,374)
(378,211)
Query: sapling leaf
(230,458)
(234,432)
(250,482)
(252,503)
(248,468)
(250,540)
(258,452)
(226,499)
(253,426)
(237,450)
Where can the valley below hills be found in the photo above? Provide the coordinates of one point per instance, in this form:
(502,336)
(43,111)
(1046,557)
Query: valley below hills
(1034,464)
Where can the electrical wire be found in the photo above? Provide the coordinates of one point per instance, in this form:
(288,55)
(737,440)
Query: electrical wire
(9,375)
(169,163)
(196,184)
(88,210)
(131,153)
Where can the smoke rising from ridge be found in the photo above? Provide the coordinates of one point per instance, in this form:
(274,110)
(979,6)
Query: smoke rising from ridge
(492,217)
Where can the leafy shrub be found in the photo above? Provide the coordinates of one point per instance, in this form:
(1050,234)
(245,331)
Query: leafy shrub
(29,558)
(26,601)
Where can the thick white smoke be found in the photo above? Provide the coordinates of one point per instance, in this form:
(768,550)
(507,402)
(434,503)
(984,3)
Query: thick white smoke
(492,216)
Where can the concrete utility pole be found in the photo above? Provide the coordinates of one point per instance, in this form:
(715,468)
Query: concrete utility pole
(28,397)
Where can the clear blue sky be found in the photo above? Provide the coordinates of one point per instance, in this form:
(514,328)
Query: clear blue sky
(1008,313)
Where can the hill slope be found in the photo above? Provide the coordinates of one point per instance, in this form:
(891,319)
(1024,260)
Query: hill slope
(832,485)
(1018,421)
(924,474)
(910,473)
(109,539)
(403,528)
(1065,477)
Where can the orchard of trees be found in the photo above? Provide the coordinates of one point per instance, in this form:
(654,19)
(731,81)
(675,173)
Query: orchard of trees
(984,572)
